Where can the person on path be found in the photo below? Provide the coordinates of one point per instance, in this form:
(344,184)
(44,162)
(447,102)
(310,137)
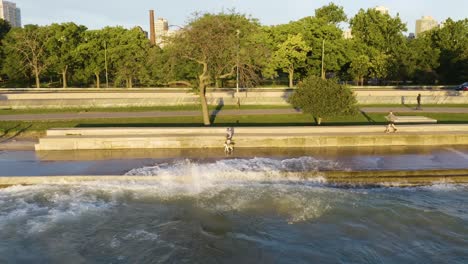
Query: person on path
(230,132)
(419,102)
(391,122)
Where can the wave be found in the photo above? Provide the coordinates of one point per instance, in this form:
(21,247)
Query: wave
(240,169)
(259,185)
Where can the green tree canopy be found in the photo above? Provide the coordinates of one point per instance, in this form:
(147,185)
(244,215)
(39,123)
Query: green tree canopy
(331,13)
(452,41)
(323,98)
(378,30)
(5,27)
(290,55)
(26,51)
(217,43)
(62,45)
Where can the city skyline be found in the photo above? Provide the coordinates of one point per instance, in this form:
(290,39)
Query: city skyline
(100,14)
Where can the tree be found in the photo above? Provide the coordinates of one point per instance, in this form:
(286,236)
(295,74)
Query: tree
(323,98)
(4,29)
(27,46)
(128,51)
(452,41)
(212,41)
(419,60)
(62,46)
(90,55)
(359,68)
(378,30)
(290,54)
(314,31)
(331,13)
(384,40)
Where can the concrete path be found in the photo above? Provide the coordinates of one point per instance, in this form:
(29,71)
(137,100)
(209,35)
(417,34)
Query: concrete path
(154,114)
(453,110)
(98,115)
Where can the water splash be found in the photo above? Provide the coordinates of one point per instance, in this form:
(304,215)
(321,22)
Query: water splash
(240,169)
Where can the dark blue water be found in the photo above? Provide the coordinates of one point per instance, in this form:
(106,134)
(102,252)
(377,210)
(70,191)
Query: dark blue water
(232,211)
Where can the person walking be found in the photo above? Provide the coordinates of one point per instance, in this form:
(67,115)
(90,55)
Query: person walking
(419,102)
(230,132)
(391,122)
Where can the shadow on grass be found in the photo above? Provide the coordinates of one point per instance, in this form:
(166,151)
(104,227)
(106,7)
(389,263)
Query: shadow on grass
(230,124)
(369,119)
(218,109)
(6,137)
(8,130)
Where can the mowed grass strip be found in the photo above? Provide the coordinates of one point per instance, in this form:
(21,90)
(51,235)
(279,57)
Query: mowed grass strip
(8,128)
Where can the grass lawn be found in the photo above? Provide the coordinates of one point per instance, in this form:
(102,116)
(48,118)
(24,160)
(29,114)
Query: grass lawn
(9,128)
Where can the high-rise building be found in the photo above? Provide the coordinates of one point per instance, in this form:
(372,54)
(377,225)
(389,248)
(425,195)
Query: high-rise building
(424,24)
(10,13)
(347,34)
(161,27)
(382,9)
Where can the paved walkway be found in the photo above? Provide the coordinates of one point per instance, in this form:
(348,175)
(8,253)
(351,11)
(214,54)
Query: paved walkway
(453,110)
(154,114)
(97,115)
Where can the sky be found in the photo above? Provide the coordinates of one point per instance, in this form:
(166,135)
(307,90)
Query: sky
(96,14)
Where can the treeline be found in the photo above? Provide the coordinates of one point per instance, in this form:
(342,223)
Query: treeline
(213,49)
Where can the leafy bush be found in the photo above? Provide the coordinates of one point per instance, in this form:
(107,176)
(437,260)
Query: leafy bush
(323,98)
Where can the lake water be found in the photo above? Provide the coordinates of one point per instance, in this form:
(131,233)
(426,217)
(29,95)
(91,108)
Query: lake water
(241,209)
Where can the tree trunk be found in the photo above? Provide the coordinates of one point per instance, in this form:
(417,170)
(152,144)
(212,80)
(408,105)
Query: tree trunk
(38,81)
(130,82)
(202,88)
(318,120)
(291,78)
(64,76)
(206,114)
(98,81)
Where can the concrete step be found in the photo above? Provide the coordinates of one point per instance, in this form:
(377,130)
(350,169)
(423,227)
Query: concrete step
(275,140)
(247,130)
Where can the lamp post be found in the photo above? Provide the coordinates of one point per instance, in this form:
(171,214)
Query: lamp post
(105,62)
(237,68)
(323,58)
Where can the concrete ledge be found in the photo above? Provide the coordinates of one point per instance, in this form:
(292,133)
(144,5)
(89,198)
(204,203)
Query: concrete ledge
(167,97)
(260,137)
(247,130)
(378,178)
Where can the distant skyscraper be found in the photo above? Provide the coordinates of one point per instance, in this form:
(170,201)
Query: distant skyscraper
(382,9)
(10,13)
(424,24)
(161,27)
(347,34)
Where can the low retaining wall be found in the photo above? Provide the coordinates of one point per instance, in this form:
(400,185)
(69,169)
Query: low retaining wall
(289,137)
(380,178)
(173,98)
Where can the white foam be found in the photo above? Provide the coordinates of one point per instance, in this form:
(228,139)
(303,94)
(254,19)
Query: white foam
(41,207)
(142,235)
(239,169)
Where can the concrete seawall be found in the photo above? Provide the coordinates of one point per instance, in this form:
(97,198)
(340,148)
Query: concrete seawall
(75,99)
(399,178)
(251,137)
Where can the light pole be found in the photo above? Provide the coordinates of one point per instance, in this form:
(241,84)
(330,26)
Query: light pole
(237,68)
(323,58)
(105,62)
